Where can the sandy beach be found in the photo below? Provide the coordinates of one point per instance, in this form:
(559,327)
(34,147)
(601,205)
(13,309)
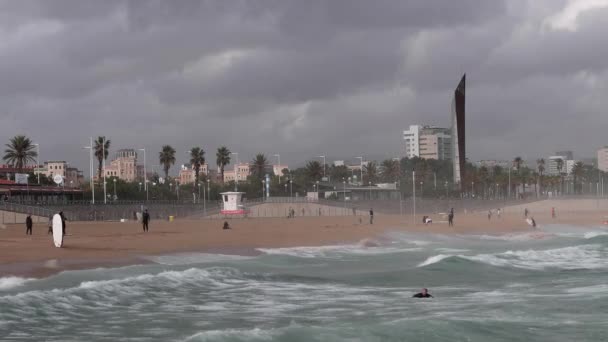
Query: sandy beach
(93,244)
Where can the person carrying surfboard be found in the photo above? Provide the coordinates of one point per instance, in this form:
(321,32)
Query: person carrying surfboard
(63,225)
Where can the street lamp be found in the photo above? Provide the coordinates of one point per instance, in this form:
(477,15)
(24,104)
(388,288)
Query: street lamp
(317,190)
(208,189)
(38,161)
(370,190)
(236,175)
(145,173)
(91,171)
(344,183)
(323,166)
(361,158)
(279,164)
(290,189)
(472,189)
(199,192)
(263,188)
(421,189)
(139,186)
(414,192)
(114,188)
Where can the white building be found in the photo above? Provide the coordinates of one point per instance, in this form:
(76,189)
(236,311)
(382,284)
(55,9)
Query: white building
(552,163)
(428,142)
(277,170)
(602,159)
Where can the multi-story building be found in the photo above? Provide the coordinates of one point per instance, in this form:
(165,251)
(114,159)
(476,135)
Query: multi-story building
(277,170)
(602,159)
(242,172)
(552,165)
(428,142)
(124,166)
(71,175)
(568,155)
(188,176)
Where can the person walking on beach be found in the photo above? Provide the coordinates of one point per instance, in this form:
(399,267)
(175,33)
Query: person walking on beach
(451,218)
(145,220)
(526,213)
(371,216)
(489,215)
(28,224)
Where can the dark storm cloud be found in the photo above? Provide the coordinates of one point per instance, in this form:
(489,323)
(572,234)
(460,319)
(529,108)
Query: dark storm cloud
(301,78)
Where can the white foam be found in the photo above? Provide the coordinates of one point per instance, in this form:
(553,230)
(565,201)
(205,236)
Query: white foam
(194,258)
(591,235)
(575,257)
(595,289)
(333,251)
(434,259)
(232,334)
(528,236)
(7,283)
(452,250)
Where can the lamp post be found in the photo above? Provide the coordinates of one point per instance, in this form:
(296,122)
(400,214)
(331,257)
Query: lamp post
(199,192)
(414,192)
(361,158)
(446,190)
(370,190)
(145,174)
(317,190)
(103,157)
(472,189)
(279,164)
(291,190)
(177,189)
(344,183)
(38,161)
(114,180)
(421,189)
(263,188)
(139,186)
(91,171)
(236,174)
(208,189)
(323,166)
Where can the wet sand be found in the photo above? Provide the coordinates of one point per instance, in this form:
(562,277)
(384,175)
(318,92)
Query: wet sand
(96,244)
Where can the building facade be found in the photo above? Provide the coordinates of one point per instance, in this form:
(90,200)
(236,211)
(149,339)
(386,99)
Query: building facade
(242,172)
(602,159)
(277,170)
(124,166)
(428,142)
(552,168)
(188,176)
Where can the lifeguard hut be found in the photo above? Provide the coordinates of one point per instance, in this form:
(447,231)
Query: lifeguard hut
(233,204)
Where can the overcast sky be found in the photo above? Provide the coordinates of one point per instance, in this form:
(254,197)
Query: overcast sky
(303,77)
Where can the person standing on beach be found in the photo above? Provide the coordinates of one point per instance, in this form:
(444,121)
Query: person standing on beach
(145,220)
(28,224)
(451,218)
(526,213)
(63,225)
(50,225)
(552,212)
(489,215)
(371,216)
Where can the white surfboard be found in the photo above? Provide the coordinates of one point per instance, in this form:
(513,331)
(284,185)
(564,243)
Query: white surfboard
(139,216)
(57,231)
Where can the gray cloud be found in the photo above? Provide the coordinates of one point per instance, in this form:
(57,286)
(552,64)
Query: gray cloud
(300,78)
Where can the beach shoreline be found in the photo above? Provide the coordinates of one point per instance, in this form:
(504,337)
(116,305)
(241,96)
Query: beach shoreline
(91,245)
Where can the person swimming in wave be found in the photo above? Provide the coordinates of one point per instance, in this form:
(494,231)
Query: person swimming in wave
(423,294)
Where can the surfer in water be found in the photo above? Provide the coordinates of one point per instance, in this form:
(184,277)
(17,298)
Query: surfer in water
(423,294)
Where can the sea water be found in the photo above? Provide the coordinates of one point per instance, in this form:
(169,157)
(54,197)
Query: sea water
(542,286)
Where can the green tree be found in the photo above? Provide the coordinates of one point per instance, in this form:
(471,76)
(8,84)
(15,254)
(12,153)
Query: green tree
(540,166)
(390,170)
(560,166)
(259,165)
(337,173)
(371,172)
(101,147)
(578,170)
(314,170)
(197,158)
(166,157)
(19,152)
(222,159)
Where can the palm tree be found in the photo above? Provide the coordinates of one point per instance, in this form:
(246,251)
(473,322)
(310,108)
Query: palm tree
(223,159)
(371,171)
(390,170)
(197,158)
(166,157)
(102,146)
(19,152)
(560,165)
(578,170)
(259,165)
(314,170)
(540,165)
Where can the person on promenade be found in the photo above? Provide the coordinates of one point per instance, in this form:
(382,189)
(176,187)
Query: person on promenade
(371,216)
(145,220)
(489,215)
(28,224)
